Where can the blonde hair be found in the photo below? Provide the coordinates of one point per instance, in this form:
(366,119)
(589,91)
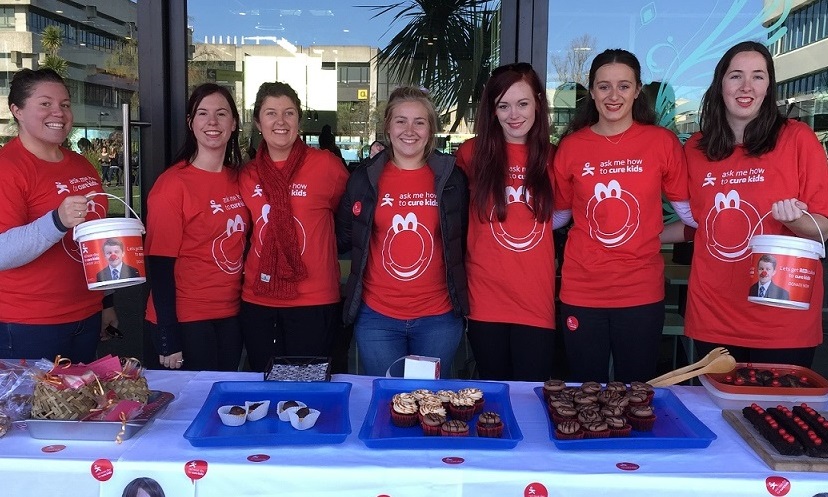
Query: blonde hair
(405,94)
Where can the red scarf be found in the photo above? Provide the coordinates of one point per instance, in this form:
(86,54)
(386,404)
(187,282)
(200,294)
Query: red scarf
(280,265)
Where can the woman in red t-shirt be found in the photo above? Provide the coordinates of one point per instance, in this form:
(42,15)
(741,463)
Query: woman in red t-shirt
(510,260)
(611,168)
(196,231)
(749,161)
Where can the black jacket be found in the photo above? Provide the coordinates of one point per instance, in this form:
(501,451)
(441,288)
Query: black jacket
(353,230)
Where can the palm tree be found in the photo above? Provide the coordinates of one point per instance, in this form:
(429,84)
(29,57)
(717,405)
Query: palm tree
(445,46)
(51,39)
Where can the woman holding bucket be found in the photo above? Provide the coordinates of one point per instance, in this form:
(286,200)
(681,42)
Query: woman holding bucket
(46,308)
(290,296)
(196,235)
(752,172)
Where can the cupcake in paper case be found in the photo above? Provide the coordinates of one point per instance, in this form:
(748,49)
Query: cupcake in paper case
(462,407)
(421,394)
(454,428)
(640,386)
(284,407)
(569,430)
(232,415)
(596,429)
(432,423)
(591,387)
(477,395)
(618,426)
(431,406)
(641,418)
(404,411)
(552,387)
(637,398)
(303,418)
(257,410)
(489,425)
(445,397)
(617,386)
(563,413)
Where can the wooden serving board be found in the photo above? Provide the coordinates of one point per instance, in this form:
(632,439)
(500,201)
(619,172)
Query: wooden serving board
(765,450)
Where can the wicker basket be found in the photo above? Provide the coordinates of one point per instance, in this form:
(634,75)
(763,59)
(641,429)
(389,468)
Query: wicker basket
(50,402)
(129,389)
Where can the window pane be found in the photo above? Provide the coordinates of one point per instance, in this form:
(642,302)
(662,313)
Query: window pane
(330,52)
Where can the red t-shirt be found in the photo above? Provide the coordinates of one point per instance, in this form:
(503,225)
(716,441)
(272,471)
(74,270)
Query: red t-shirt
(728,197)
(316,188)
(199,218)
(614,189)
(510,265)
(405,277)
(52,288)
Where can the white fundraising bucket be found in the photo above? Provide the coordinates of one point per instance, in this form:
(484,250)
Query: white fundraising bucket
(783,270)
(112,252)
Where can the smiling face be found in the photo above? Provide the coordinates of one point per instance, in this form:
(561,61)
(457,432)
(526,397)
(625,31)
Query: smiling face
(45,119)
(744,87)
(213,123)
(614,92)
(409,132)
(516,112)
(113,255)
(278,120)
(766,271)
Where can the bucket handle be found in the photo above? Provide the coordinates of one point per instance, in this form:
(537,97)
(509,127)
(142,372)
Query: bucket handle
(761,219)
(119,199)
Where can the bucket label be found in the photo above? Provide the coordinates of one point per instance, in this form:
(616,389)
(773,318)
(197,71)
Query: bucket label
(782,280)
(112,262)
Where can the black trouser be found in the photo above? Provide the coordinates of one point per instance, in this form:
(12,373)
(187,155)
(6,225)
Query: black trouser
(286,331)
(631,334)
(803,357)
(505,351)
(209,345)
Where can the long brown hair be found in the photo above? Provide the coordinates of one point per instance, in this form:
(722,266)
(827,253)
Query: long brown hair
(489,156)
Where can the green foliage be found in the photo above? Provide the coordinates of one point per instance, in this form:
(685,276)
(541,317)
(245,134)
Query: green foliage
(51,39)
(445,46)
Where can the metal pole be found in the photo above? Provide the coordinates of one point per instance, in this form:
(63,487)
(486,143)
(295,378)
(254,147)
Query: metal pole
(126,159)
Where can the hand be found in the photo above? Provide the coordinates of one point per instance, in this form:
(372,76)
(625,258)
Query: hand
(172,361)
(788,210)
(72,211)
(108,317)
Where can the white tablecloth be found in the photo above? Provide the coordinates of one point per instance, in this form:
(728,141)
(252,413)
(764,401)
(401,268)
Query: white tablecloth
(534,468)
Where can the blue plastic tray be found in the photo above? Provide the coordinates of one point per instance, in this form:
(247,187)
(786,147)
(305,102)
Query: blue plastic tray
(675,428)
(330,398)
(378,432)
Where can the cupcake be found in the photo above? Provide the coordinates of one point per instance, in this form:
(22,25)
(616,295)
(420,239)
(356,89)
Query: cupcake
(639,386)
(604,396)
(568,430)
(618,426)
(431,424)
(477,395)
(610,411)
(637,398)
(597,429)
(445,397)
(461,407)
(591,387)
(641,418)
(585,398)
(617,386)
(421,394)
(404,410)
(551,387)
(589,416)
(431,406)
(489,425)
(454,428)
(563,413)
(232,415)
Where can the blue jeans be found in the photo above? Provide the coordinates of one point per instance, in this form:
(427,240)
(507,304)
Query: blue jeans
(77,341)
(382,339)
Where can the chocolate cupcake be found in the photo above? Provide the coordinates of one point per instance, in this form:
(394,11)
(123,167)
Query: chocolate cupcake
(551,387)
(489,425)
(591,387)
(477,395)
(618,426)
(568,430)
(431,424)
(597,429)
(617,386)
(455,428)
(563,413)
(641,418)
(404,411)
(462,407)
(639,386)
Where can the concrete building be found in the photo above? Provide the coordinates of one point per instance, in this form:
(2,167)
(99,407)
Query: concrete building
(95,35)
(802,65)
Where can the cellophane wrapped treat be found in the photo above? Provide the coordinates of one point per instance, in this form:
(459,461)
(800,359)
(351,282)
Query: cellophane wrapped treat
(17,381)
